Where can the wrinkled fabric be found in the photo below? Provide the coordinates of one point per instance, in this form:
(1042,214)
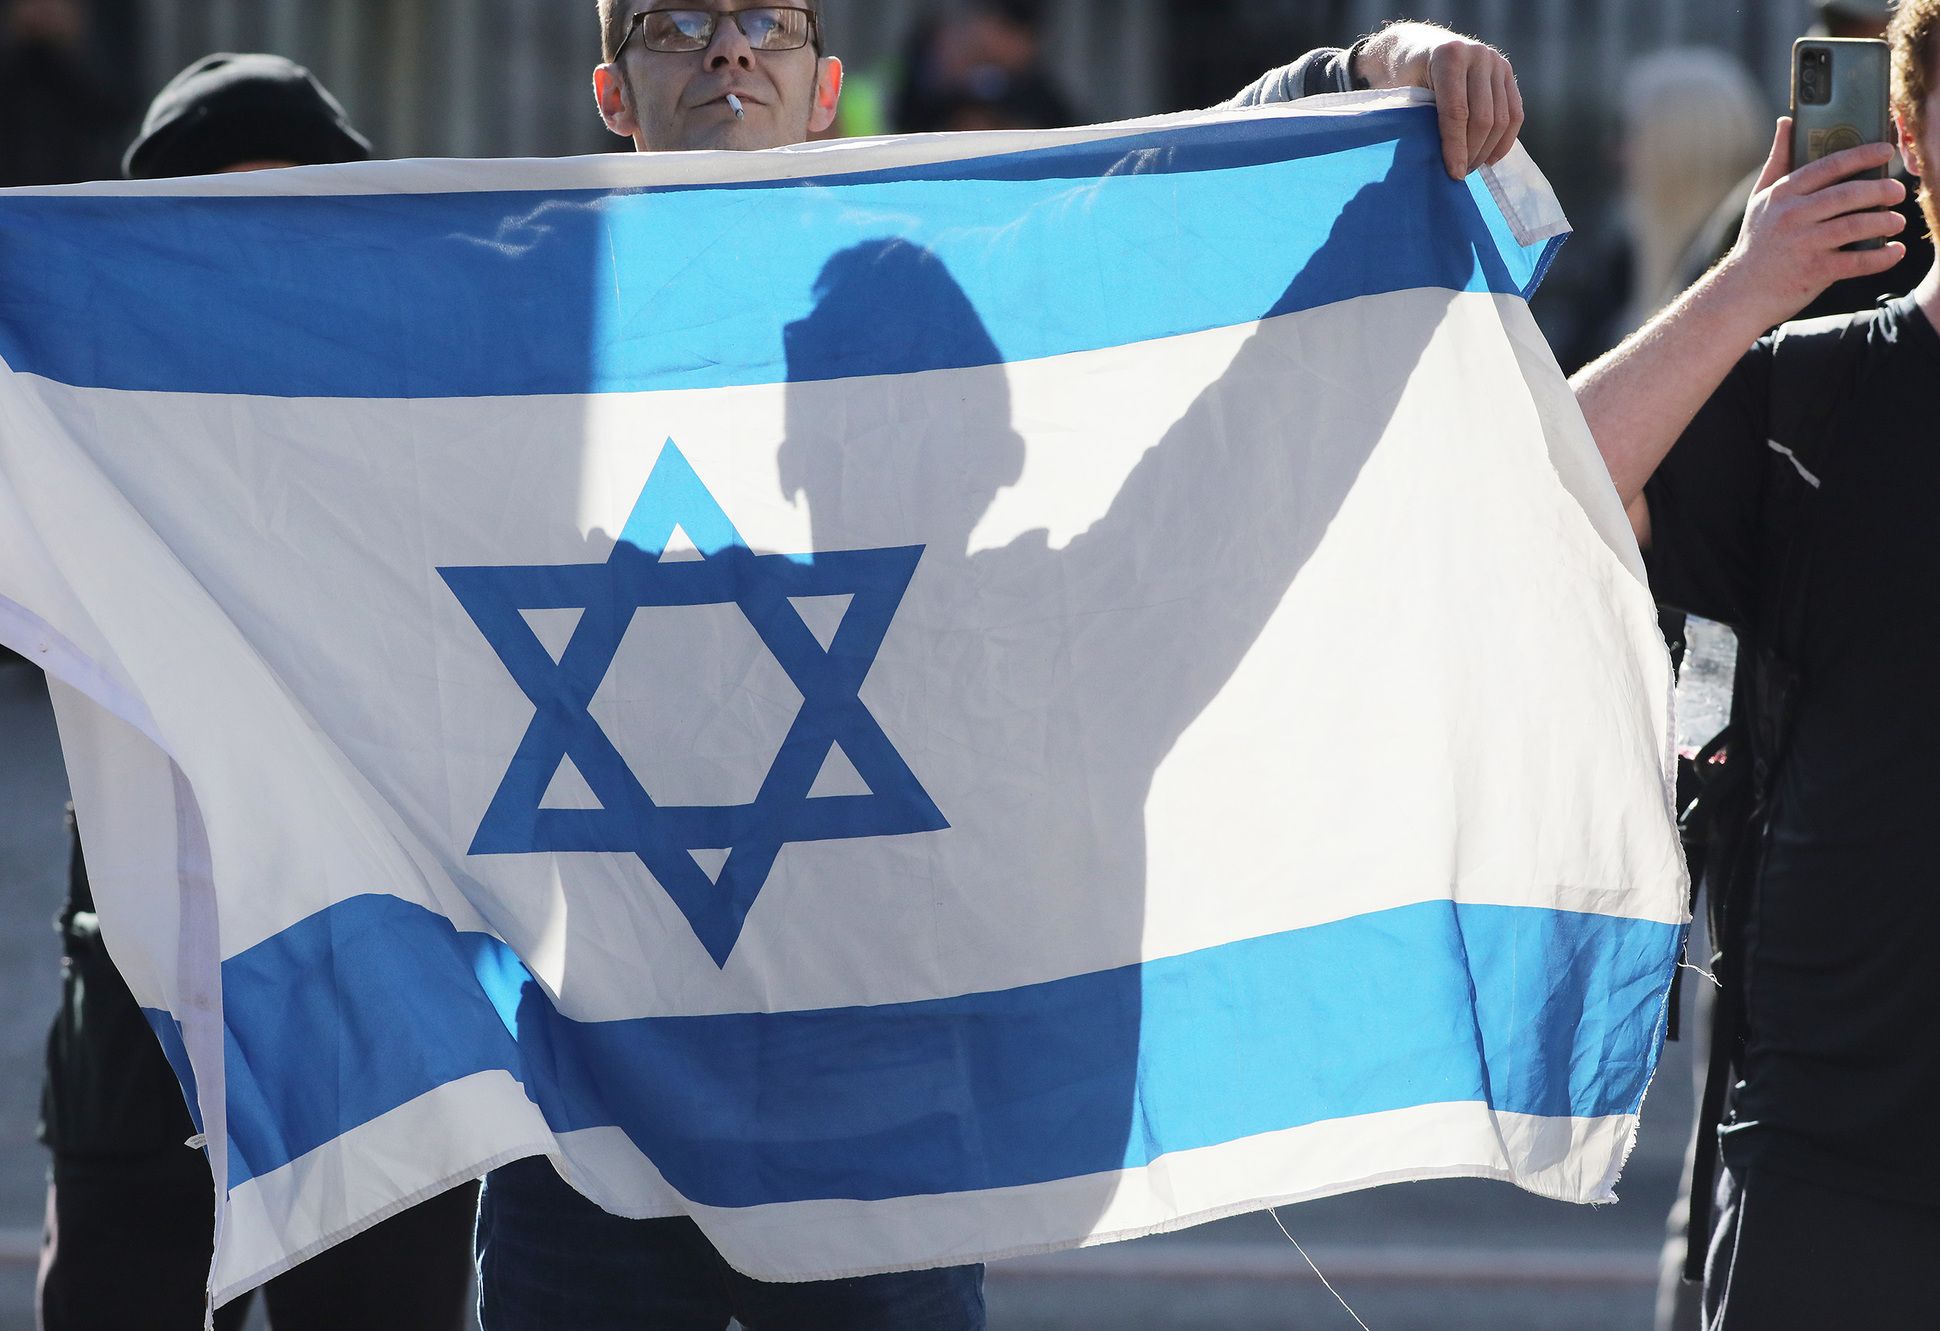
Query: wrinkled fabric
(906,702)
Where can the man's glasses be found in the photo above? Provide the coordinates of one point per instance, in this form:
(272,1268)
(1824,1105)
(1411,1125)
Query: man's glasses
(767,28)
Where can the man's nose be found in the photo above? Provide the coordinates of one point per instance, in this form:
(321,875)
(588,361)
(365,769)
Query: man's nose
(730,46)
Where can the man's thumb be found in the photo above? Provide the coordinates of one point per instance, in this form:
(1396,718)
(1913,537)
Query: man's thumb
(1779,164)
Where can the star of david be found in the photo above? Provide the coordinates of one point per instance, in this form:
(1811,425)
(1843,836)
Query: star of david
(637,576)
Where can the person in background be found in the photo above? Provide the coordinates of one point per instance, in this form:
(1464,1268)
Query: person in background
(64,104)
(979,64)
(1690,126)
(995,100)
(129,1203)
(1693,125)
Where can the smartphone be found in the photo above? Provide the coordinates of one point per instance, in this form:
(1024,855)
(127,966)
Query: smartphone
(1839,101)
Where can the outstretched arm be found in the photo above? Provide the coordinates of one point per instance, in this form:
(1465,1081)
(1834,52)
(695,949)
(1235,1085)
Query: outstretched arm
(1214,523)
(1475,89)
(1639,397)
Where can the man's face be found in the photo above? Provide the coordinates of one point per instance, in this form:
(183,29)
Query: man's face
(675,100)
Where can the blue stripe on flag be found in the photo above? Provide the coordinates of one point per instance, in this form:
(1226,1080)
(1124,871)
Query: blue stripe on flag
(1058,250)
(375,1001)
(169,1032)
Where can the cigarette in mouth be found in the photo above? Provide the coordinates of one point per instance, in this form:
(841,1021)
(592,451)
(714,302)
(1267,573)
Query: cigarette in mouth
(734,105)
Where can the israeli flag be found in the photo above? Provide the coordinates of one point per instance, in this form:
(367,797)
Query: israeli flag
(912,701)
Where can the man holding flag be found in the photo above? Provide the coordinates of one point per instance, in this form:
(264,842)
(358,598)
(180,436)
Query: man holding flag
(950,866)
(732,76)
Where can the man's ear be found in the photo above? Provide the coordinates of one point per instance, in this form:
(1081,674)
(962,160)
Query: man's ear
(1909,144)
(616,108)
(828,94)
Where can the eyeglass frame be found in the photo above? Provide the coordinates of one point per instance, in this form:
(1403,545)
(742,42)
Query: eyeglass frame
(814,38)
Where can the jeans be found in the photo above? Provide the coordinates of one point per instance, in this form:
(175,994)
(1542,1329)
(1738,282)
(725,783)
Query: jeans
(548,1259)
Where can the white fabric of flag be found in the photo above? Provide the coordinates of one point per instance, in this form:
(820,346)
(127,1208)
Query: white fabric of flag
(912,701)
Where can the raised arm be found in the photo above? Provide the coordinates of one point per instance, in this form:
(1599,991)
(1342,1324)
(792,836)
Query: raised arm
(1475,90)
(1640,396)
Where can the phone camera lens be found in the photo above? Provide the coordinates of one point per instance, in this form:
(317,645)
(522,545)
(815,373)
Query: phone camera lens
(1815,78)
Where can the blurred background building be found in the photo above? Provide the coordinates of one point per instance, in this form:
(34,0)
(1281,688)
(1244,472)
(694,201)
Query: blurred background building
(511,77)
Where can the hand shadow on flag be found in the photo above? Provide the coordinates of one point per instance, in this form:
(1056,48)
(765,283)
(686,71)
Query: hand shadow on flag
(1040,745)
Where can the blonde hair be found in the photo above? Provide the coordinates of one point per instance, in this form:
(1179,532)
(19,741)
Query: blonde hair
(1694,127)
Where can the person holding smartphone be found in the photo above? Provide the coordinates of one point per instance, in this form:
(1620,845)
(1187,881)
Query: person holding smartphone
(1858,19)
(1719,435)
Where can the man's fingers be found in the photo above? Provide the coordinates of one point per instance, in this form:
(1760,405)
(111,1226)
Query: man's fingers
(1450,87)
(1778,163)
(1512,98)
(1829,170)
(1481,113)
(1842,231)
(1479,105)
(1454,118)
(1508,121)
(1867,263)
(1850,197)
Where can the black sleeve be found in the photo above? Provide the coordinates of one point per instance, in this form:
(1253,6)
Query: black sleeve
(1704,500)
(1318,71)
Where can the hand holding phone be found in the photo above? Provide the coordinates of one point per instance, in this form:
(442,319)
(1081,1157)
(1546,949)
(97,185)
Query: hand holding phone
(1840,92)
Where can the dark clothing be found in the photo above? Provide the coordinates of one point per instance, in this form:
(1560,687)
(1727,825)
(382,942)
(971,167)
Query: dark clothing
(109,1091)
(127,1245)
(1323,70)
(409,1273)
(61,119)
(1775,1230)
(131,1209)
(1841,1072)
(548,1258)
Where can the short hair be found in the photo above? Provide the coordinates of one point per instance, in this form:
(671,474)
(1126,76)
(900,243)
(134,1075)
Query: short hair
(616,14)
(1914,35)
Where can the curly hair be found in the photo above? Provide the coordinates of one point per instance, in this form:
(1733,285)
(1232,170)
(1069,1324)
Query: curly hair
(615,15)
(1912,35)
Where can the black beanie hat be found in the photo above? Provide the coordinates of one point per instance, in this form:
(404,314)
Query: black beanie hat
(227,109)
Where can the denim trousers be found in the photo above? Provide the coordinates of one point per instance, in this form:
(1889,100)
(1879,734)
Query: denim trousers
(549,1260)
